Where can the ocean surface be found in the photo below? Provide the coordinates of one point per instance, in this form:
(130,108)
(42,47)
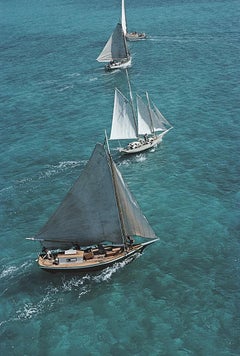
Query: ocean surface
(181,296)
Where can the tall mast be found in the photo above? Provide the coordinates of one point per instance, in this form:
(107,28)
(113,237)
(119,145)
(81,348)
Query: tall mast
(106,140)
(125,43)
(123,20)
(131,101)
(150,114)
(124,234)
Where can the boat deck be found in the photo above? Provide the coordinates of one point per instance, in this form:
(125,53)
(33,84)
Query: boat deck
(83,260)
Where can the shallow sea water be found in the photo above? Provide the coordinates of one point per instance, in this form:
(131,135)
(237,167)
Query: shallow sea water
(181,297)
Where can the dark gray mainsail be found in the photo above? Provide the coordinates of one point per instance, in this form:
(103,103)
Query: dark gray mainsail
(99,207)
(134,222)
(115,48)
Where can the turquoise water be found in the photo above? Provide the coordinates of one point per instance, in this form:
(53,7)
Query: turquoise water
(181,297)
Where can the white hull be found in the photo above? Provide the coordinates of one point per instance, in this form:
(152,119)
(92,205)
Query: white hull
(135,36)
(142,145)
(119,65)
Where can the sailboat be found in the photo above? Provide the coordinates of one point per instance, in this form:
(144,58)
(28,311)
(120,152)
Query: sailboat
(98,223)
(116,52)
(148,126)
(131,36)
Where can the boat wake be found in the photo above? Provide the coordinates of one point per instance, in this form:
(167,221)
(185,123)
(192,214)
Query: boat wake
(134,159)
(61,167)
(53,292)
(11,271)
(141,158)
(49,172)
(186,38)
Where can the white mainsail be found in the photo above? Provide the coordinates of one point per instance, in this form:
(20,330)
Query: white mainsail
(124,22)
(115,48)
(123,124)
(92,211)
(150,119)
(144,118)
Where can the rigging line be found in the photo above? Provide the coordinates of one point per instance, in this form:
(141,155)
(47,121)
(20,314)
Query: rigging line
(150,114)
(131,101)
(117,199)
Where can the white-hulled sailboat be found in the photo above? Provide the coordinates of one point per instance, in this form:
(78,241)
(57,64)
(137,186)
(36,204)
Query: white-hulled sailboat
(116,52)
(97,224)
(147,127)
(131,36)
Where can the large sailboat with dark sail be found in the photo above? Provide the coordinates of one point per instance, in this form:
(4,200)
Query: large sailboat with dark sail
(116,53)
(98,223)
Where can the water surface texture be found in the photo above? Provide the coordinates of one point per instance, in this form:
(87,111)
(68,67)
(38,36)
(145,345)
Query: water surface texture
(181,297)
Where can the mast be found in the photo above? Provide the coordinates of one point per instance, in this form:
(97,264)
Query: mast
(125,43)
(124,21)
(131,101)
(116,195)
(150,113)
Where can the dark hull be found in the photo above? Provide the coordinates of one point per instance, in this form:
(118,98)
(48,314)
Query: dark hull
(93,268)
(131,255)
(95,264)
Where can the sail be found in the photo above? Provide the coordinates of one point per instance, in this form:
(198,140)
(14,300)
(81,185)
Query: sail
(89,213)
(134,222)
(144,118)
(160,123)
(115,48)
(124,22)
(123,125)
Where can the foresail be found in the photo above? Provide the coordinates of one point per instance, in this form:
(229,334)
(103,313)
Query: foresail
(160,123)
(124,22)
(123,125)
(89,212)
(144,119)
(134,222)
(115,48)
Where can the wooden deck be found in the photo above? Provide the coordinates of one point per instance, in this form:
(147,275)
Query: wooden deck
(89,260)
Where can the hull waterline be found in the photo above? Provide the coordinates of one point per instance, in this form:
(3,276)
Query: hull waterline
(139,146)
(118,65)
(96,264)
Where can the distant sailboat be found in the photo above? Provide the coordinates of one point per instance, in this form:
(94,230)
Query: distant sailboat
(96,222)
(131,36)
(115,52)
(148,126)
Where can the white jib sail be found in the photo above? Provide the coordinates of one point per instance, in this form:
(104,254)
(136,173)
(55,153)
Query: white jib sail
(144,119)
(123,125)
(160,123)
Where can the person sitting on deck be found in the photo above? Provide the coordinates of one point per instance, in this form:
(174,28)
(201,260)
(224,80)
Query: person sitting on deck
(130,241)
(101,250)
